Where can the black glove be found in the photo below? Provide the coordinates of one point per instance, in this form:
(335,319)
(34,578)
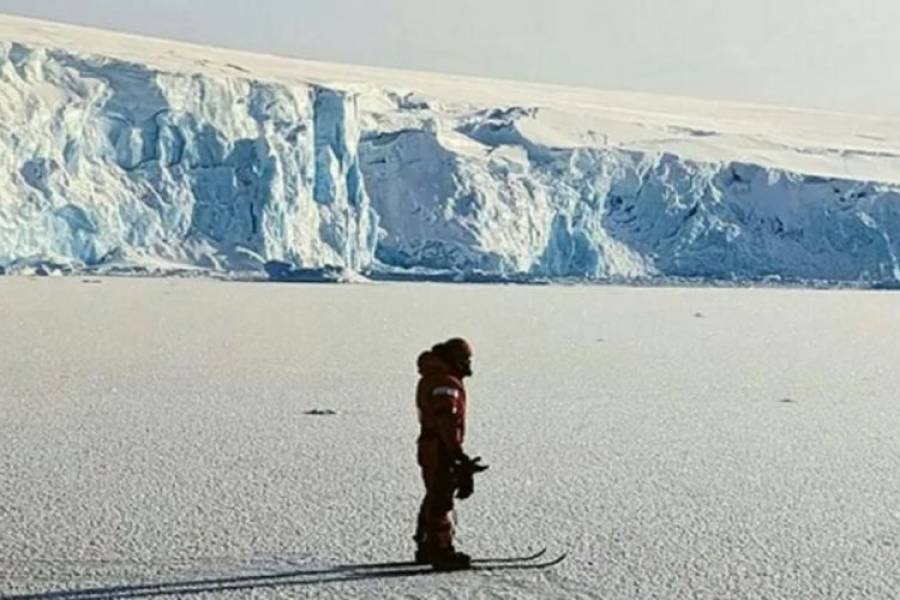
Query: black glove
(464,469)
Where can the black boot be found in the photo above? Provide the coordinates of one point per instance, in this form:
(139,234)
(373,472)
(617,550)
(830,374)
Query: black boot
(450,560)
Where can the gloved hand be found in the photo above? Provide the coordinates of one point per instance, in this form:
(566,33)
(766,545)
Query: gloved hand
(464,469)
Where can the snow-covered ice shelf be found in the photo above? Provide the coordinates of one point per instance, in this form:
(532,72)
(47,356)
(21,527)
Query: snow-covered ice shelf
(123,153)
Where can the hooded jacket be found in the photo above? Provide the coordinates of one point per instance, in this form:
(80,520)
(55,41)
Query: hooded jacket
(441,404)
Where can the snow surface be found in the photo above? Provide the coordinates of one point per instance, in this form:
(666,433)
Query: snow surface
(679,443)
(119,152)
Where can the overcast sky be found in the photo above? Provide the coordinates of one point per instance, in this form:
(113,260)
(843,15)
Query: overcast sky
(833,54)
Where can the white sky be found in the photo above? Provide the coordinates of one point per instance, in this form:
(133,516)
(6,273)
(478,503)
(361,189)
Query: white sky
(833,54)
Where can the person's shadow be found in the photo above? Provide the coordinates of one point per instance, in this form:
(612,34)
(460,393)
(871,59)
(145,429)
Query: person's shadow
(339,574)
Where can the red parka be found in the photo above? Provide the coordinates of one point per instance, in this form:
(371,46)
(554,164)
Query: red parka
(441,403)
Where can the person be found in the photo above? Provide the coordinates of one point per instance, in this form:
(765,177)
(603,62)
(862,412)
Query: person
(446,469)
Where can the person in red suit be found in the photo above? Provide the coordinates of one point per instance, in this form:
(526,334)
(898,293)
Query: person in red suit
(446,469)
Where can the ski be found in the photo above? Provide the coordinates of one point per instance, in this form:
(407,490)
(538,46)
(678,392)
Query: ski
(486,566)
(411,563)
(516,566)
(293,578)
(511,559)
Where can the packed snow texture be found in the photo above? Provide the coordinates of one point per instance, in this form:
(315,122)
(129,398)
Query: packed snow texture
(122,152)
(155,432)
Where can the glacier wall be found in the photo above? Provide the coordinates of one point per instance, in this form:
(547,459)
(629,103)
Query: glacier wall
(111,162)
(603,213)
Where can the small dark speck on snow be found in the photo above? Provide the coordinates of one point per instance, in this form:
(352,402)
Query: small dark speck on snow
(788,401)
(320,412)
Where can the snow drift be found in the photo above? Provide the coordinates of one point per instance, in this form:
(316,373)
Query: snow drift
(119,152)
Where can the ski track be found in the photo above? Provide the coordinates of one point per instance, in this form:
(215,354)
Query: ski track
(154,432)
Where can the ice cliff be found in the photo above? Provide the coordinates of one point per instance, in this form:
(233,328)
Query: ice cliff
(121,153)
(110,161)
